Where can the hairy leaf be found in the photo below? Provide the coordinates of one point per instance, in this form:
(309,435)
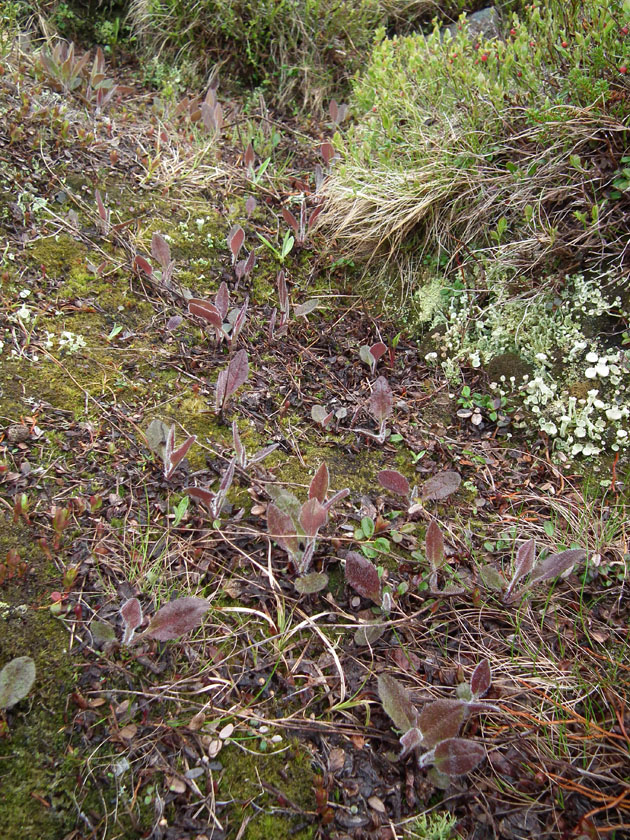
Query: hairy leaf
(319,483)
(441,485)
(435,546)
(367,634)
(285,501)
(16,680)
(491,577)
(381,400)
(238,445)
(219,397)
(160,249)
(336,497)
(290,219)
(441,719)
(481,679)
(327,151)
(306,308)
(250,206)
(394,481)
(239,322)
(314,215)
(310,583)
(457,756)
(262,453)
(249,156)
(237,373)
(366,356)
(235,240)
(312,516)
(200,494)
(283,295)
(556,564)
(140,264)
(377,350)
(156,435)
(362,576)
(397,703)
(411,741)
(320,415)
(178,455)
(206,310)
(131,613)
(222,300)
(176,618)
(250,262)
(282,529)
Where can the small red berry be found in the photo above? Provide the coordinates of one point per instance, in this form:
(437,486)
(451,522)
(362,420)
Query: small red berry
(624,30)
(532,43)
(623,69)
(513,33)
(484,57)
(519,73)
(374,107)
(564,44)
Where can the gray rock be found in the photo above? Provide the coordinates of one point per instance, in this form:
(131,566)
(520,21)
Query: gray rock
(482,24)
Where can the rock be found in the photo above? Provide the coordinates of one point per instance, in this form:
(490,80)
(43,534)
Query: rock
(482,24)
(18,433)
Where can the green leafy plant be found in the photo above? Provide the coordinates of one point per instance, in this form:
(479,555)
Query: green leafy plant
(371,546)
(285,248)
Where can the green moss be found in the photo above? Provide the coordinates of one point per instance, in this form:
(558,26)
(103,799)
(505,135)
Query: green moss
(289,773)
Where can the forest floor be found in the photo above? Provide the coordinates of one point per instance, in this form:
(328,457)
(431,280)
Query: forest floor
(265,721)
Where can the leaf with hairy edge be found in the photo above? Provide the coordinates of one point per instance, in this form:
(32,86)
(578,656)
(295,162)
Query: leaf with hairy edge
(441,485)
(319,483)
(290,219)
(178,455)
(556,564)
(368,633)
(157,435)
(16,680)
(285,501)
(238,445)
(219,397)
(249,156)
(283,295)
(250,262)
(206,310)
(160,249)
(524,563)
(310,583)
(397,703)
(362,576)
(306,308)
(176,618)
(313,516)
(262,453)
(235,240)
(411,741)
(327,151)
(435,546)
(481,679)
(314,215)
(381,400)
(131,613)
(440,720)
(394,481)
(377,350)
(320,415)
(102,212)
(228,477)
(491,578)
(140,264)
(199,494)
(337,497)
(458,756)
(366,356)
(333,110)
(250,206)
(237,373)
(222,300)
(282,529)
(239,321)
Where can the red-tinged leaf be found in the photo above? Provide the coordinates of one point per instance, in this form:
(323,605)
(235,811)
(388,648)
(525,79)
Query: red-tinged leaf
(319,483)
(434,546)
(250,206)
(282,529)
(362,576)
(250,262)
(310,583)
(283,296)
(312,516)
(327,151)
(235,240)
(160,249)
(220,394)
(343,112)
(206,310)
(180,453)
(131,613)
(237,373)
(377,350)
(441,485)
(337,497)
(556,564)
(397,703)
(525,559)
(239,322)
(140,264)
(228,477)
(381,400)
(174,322)
(290,219)
(102,212)
(481,679)
(238,445)
(411,741)
(176,618)
(199,494)
(262,453)
(306,308)
(440,720)
(333,110)
(458,756)
(249,157)
(394,481)
(218,116)
(169,445)
(222,300)
(314,216)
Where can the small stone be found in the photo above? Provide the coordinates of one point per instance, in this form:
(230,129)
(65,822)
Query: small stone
(18,433)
